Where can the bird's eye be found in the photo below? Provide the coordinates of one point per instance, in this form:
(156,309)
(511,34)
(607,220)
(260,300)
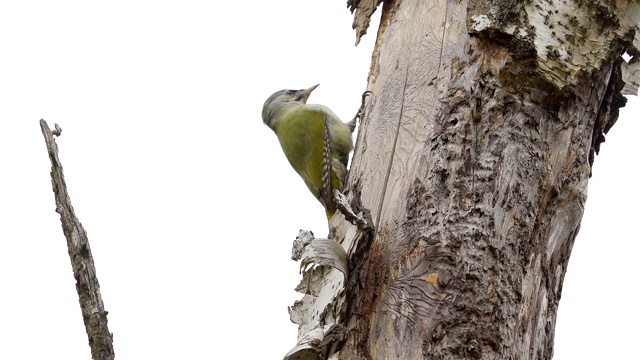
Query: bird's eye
(290,92)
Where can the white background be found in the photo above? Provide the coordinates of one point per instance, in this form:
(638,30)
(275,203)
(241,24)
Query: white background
(189,203)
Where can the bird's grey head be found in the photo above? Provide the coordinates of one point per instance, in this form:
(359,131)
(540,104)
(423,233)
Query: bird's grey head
(281,101)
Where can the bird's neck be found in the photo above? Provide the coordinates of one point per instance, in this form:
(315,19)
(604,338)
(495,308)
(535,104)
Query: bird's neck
(275,112)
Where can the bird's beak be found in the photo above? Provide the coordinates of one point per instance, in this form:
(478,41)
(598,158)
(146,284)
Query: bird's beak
(306,93)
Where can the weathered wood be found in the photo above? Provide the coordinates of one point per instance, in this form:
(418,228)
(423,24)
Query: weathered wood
(84,271)
(363,10)
(473,160)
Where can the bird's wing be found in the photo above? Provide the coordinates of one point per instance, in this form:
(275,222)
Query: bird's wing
(303,134)
(326,191)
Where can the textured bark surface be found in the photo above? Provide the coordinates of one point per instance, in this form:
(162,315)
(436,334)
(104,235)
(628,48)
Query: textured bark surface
(84,271)
(473,161)
(362,9)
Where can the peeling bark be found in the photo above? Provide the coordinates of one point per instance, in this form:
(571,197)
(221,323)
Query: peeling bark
(363,10)
(84,271)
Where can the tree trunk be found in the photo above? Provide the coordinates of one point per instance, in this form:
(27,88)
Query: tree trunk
(473,161)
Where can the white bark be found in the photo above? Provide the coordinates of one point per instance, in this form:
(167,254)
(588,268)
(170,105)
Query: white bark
(473,163)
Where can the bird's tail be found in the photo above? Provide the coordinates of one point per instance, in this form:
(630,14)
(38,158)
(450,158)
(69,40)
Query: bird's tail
(330,213)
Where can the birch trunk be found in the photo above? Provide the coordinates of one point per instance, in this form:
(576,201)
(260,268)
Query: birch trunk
(473,162)
(469,178)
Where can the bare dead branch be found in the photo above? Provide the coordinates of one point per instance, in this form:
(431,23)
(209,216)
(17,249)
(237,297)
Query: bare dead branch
(84,271)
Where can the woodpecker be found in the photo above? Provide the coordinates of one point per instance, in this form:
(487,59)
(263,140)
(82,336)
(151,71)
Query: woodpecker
(315,141)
